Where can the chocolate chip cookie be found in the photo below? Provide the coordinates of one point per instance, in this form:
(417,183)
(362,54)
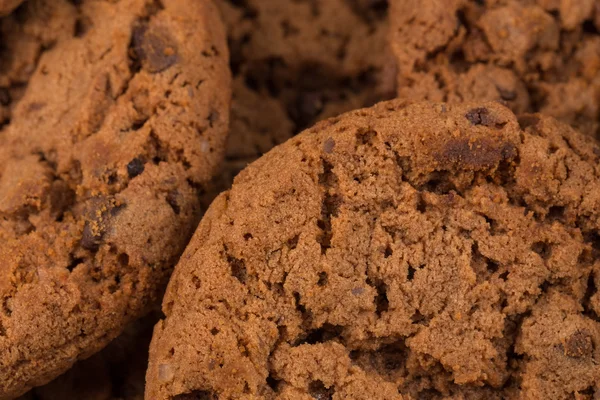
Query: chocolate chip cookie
(409,250)
(297,62)
(533,55)
(115,120)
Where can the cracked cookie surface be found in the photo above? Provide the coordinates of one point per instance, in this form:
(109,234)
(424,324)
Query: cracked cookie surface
(114,121)
(533,55)
(409,250)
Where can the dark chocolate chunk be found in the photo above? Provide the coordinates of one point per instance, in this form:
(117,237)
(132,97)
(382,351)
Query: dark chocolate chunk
(135,167)
(578,345)
(478,116)
(154,47)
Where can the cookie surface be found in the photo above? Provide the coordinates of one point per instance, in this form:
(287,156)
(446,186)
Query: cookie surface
(24,35)
(297,62)
(533,55)
(114,122)
(419,250)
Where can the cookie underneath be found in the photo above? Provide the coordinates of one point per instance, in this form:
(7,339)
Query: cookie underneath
(533,55)
(297,62)
(409,250)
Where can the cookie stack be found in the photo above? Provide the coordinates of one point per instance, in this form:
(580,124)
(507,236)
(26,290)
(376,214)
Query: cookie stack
(415,212)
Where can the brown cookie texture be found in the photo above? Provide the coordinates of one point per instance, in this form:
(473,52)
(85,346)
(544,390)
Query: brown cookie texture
(409,250)
(24,35)
(298,62)
(532,55)
(115,122)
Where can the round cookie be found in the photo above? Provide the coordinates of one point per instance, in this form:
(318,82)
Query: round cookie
(6,6)
(119,127)
(422,250)
(533,55)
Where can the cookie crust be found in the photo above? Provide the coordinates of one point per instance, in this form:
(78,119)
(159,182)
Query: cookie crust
(416,250)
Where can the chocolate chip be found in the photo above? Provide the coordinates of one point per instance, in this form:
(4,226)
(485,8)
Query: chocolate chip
(117,209)
(323,278)
(82,26)
(508,151)
(172,199)
(578,345)
(478,116)
(328,145)
(92,236)
(477,154)
(154,47)
(100,211)
(135,167)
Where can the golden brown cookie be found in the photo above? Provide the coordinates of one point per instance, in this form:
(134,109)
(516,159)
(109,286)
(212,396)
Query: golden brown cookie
(409,250)
(116,121)
(533,55)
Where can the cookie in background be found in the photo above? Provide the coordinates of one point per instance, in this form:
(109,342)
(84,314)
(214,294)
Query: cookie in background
(532,55)
(295,63)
